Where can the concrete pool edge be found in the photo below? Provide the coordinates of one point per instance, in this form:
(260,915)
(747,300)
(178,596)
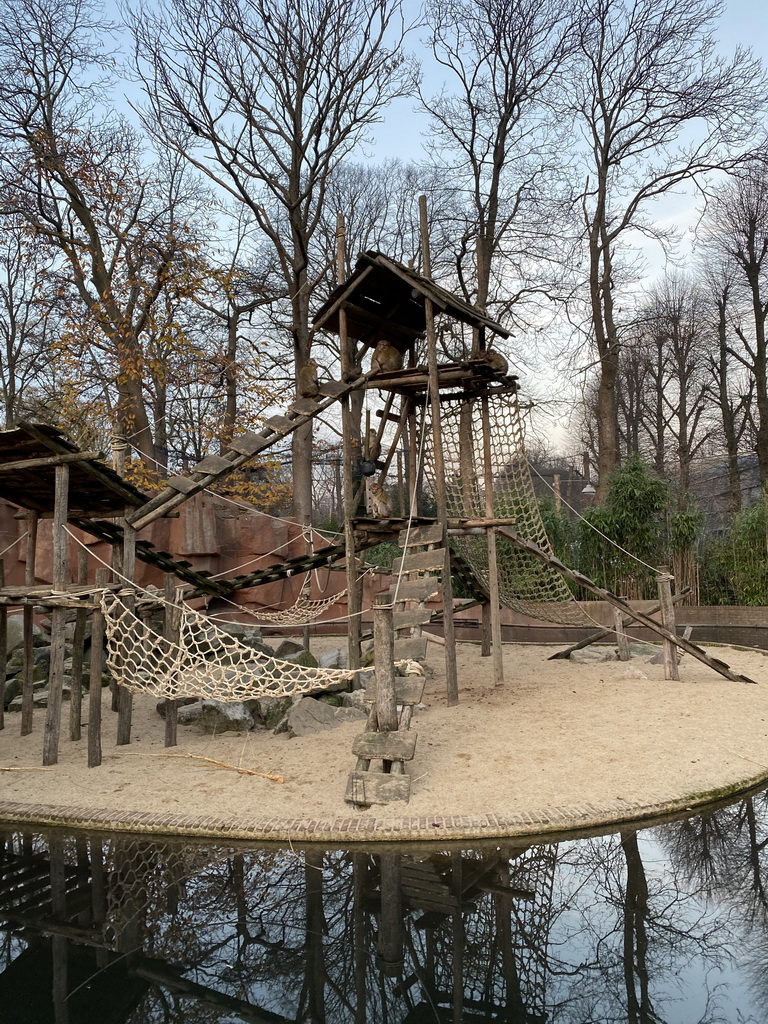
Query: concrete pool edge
(352,829)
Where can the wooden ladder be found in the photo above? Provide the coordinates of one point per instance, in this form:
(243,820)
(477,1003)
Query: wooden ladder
(422,555)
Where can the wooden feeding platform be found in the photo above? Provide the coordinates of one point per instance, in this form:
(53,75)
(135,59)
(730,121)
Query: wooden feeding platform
(464,378)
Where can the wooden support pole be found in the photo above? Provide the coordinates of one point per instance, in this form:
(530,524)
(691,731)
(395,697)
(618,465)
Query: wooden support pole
(664,583)
(354,585)
(95,679)
(451,671)
(58,619)
(125,697)
(485,636)
(390,940)
(27,625)
(3,648)
(384,662)
(78,645)
(493,565)
(171,626)
(622,641)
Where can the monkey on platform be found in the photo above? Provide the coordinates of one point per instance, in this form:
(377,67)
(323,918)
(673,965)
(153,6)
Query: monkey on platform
(373,445)
(386,357)
(308,383)
(496,361)
(379,502)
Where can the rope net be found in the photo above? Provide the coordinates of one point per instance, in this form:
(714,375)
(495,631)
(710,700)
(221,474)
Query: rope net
(205,661)
(473,431)
(302,612)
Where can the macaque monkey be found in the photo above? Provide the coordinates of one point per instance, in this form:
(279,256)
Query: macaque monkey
(379,502)
(373,445)
(496,361)
(308,385)
(386,357)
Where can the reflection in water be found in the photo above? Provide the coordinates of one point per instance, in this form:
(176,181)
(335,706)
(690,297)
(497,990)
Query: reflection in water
(664,925)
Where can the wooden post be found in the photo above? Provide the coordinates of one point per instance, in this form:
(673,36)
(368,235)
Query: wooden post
(27,682)
(493,565)
(78,643)
(95,679)
(451,671)
(3,647)
(485,636)
(390,941)
(384,662)
(58,619)
(556,491)
(354,586)
(622,641)
(664,581)
(125,697)
(171,625)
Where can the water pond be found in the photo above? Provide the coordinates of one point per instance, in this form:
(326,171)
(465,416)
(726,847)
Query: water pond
(665,924)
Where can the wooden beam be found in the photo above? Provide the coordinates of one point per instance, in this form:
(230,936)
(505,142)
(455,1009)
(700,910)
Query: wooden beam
(584,581)
(48,460)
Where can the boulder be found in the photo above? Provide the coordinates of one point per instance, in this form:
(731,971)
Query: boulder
(303,657)
(222,716)
(271,710)
(162,706)
(593,655)
(356,699)
(288,647)
(12,690)
(308,716)
(336,658)
(16,632)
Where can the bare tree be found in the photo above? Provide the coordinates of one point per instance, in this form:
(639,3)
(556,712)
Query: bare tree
(28,315)
(656,107)
(266,97)
(76,175)
(493,134)
(736,240)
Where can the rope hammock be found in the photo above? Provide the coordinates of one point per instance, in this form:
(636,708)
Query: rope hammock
(302,612)
(205,661)
(525,584)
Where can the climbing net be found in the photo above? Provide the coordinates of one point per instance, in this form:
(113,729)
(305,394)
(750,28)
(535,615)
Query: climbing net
(205,661)
(477,432)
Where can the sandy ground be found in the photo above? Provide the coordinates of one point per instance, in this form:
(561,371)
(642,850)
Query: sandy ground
(555,735)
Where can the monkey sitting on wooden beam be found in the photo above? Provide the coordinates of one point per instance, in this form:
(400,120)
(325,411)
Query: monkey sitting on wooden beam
(309,386)
(386,357)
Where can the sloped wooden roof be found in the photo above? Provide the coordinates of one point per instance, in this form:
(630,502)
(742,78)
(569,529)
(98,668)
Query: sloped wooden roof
(95,490)
(384,296)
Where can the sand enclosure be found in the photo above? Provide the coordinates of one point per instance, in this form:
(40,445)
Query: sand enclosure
(557,741)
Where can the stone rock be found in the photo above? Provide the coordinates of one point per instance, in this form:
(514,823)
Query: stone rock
(641,650)
(303,657)
(162,706)
(16,632)
(337,658)
(14,666)
(593,655)
(40,698)
(221,716)
(288,647)
(366,659)
(363,679)
(273,712)
(309,716)
(12,689)
(190,713)
(243,631)
(355,699)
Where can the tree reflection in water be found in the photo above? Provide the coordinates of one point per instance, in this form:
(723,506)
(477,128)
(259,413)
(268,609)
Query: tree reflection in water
(668,924)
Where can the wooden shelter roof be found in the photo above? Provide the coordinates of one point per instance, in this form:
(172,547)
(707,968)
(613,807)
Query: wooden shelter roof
(382,296)
(95,490)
